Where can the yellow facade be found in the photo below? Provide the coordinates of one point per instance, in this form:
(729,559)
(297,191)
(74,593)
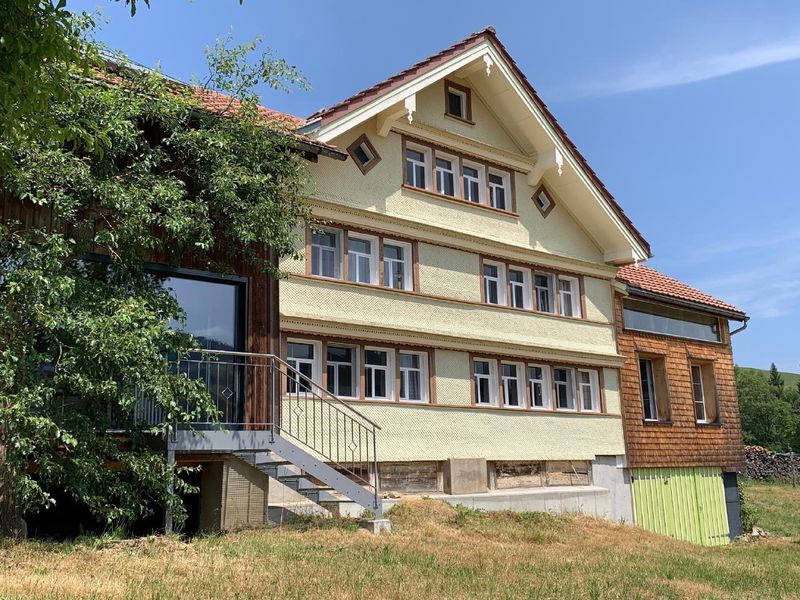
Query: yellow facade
(445,313)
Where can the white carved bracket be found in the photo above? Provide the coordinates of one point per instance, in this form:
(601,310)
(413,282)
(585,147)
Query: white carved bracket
(552,160)
(489,64)
(388,117)
(411,106)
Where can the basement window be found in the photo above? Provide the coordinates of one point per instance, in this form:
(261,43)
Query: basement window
(363,154)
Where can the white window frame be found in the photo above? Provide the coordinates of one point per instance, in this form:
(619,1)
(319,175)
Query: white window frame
(364,147)
(699,367)
(546,384)
(651,390)
(526,287)
(337,263)
(505,186)
(424,381)
(426,165)
(369,374)
(500,280)
(481,181)
(543,209)
(356,353)
(408,264)
(571,388)
(453,171)
(593,388)
(574,295)
(551,291)
(316,362)
(463,96)
(373,257)
(520,384)
(492,377)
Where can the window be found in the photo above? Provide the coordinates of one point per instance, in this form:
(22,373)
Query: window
(457,101)
(445,176)
(397,270)
(363,154)
(341,370)
(569,296)
(565,388)
(493,284)
(665,320)
(543,201)
(544,293)
(413,376)
(589,390)
(378,374)
(647,380)
(485,377)
(519,283)
(362,257)
(497,191)
(472,183)
(416,161)
(539,382)
(326,253)
(703,392)
(301,356)
(513,390)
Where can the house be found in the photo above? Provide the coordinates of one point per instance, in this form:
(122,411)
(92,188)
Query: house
(679,404)
(453,325)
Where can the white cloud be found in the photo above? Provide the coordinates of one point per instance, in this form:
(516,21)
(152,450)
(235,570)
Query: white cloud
(671,69)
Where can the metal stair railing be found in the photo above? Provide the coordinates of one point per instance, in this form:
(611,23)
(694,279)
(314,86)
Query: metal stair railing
(253,391)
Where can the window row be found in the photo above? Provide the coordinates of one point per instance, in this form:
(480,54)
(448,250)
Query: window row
(667,320)
(450,174)
(655,391)
(360,372)
(362,258)
(536,386)
(519,287)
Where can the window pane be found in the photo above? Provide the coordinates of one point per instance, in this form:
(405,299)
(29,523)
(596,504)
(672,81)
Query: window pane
(380,384)
(211,311)
(414,391)
(393,252)
(361,154)
(670,321)
(481,367)
(324,238)
(340,354)
(298,350)
(415,155)
(359,245)
(470,172)
(482,391)
(409,361)
(454,102)
(376,357)
(345,380)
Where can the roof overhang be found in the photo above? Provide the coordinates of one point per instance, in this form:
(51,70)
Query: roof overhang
(634,291)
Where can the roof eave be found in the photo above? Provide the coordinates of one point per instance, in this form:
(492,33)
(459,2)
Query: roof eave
(734,315)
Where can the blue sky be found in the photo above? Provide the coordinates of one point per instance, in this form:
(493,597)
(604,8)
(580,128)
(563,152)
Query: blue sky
(689,112)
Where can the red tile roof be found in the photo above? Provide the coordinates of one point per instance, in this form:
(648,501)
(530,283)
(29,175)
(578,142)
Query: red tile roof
(649,280)
(332,112)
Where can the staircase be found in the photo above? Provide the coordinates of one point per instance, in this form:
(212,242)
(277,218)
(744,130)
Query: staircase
(283,423)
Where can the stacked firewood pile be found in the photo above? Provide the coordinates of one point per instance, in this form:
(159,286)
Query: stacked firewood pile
(761,464)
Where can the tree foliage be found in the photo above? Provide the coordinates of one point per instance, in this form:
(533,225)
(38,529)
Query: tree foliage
(775,377)
(145,172)
(767,417)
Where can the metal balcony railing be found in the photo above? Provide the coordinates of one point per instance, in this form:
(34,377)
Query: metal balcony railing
(262,392)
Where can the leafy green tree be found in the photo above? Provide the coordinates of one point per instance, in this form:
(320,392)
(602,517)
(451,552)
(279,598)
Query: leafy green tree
(152,174)
(775,377)
(767,419)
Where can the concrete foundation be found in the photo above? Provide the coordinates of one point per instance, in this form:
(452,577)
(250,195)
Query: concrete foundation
(465,476)
(608,473)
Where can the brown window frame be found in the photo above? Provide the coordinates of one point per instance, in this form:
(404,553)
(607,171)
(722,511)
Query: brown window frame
(369,165)
(539,190)
(533,296)
(499,403)
(345,233)
(431,149)
(360,346)
(467,116)
(708,380)
(660,374)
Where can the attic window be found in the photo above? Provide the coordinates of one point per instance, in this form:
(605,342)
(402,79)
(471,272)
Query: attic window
(363,154)
(458,101)
(543,201)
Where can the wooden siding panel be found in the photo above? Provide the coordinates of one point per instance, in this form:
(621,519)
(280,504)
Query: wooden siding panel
(681,442)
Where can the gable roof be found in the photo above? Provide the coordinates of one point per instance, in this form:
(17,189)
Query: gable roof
(640,278)
(489,34)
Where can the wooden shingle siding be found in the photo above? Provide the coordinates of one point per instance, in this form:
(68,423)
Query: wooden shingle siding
(681,442)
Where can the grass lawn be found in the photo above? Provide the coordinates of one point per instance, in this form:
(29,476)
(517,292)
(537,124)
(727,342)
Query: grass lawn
(777,507)
(435,551)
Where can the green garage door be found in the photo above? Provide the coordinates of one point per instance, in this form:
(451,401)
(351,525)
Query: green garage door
(685,503)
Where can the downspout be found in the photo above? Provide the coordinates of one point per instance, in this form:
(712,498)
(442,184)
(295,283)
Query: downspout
(742,328)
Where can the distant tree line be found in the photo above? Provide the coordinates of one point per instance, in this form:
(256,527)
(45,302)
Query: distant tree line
(770,410)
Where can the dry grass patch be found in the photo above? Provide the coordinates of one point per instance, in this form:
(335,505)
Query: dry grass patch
(435,551)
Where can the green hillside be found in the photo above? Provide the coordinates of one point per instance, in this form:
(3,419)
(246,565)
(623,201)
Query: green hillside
(789,379)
